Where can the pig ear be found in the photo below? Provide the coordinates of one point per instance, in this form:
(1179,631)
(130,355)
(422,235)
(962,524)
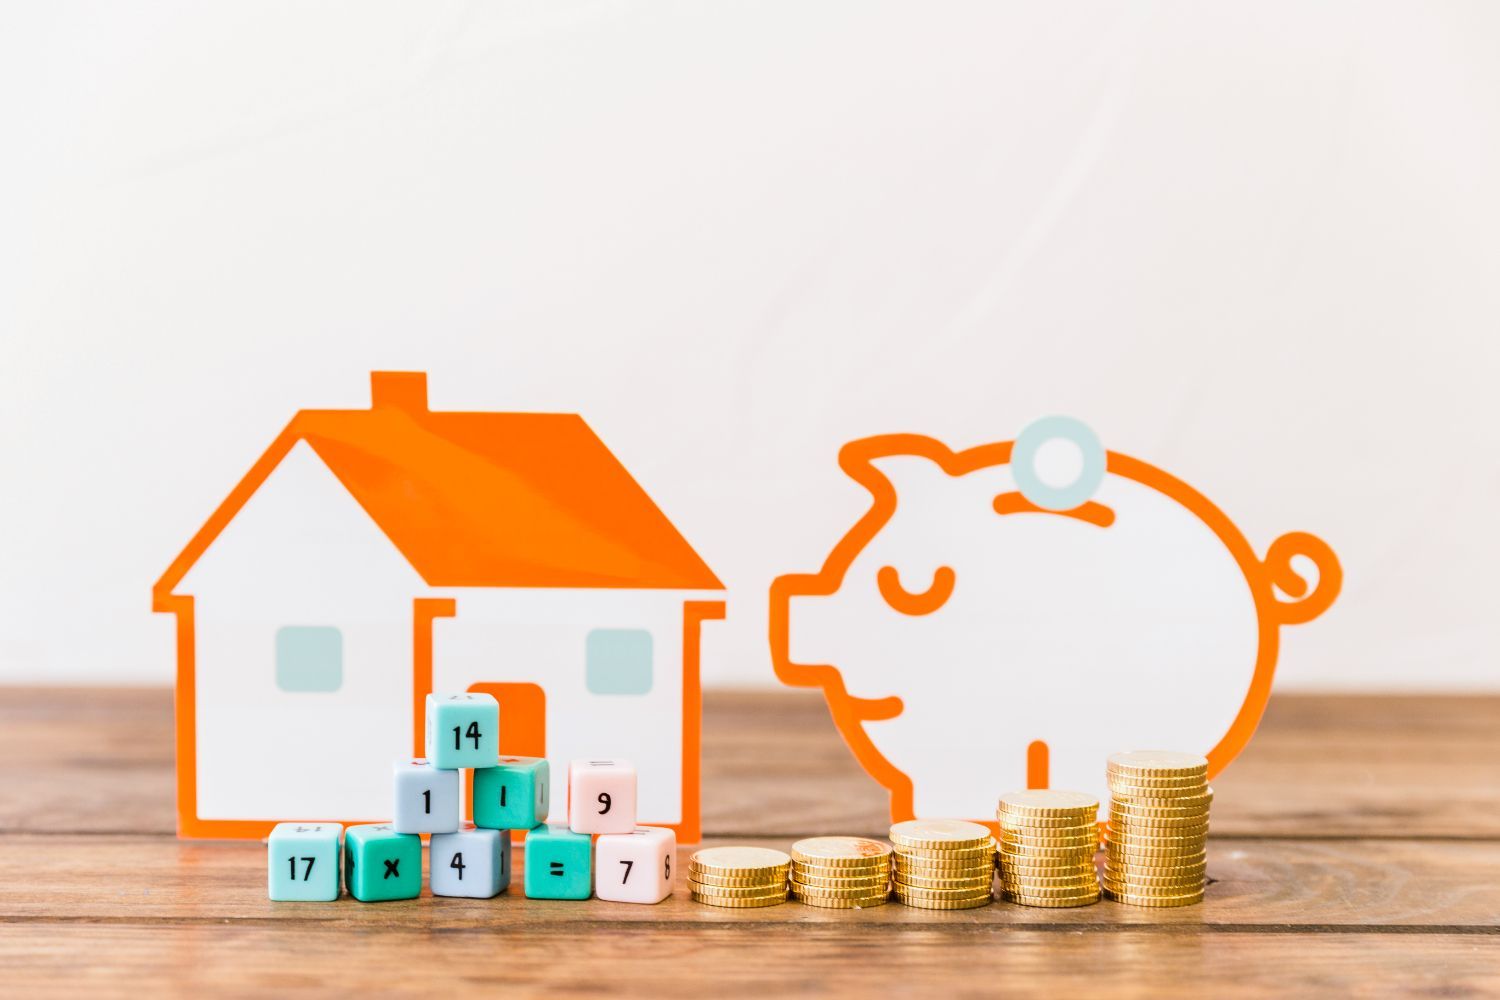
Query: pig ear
(886,465)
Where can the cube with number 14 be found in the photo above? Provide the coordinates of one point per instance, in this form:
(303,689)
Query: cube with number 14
(463,730)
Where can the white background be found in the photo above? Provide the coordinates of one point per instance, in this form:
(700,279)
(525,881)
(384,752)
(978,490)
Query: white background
(1257,245)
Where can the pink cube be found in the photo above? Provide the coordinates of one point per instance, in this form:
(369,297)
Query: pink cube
(601,796)
(635,867)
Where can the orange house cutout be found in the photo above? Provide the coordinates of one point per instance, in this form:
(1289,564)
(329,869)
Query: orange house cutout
(372,556)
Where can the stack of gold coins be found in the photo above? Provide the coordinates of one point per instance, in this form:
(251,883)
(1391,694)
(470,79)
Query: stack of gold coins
(738,876)
(841,872)
(1158,828)
(943,864)
(1047,842)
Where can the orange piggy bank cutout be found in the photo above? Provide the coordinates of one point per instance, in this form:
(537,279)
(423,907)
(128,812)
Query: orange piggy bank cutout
(981,629)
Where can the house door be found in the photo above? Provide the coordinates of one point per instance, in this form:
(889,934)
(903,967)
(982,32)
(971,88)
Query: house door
(523,726)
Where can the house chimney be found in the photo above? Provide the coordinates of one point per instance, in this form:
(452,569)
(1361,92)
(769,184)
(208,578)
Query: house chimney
(402,390)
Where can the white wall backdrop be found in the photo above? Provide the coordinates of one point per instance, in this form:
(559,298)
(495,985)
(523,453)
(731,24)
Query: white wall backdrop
(1257,245)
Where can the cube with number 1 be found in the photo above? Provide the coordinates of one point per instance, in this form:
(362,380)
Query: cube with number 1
(426,798)
(512,795)
(635,867)
(463,730)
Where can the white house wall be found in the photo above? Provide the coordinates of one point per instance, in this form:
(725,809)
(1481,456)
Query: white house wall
(538,636)
(301,552)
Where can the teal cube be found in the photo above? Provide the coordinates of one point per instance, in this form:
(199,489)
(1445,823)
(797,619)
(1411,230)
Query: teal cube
(512,795)
(463,730)
(559,863)
(302,862)
(380,863)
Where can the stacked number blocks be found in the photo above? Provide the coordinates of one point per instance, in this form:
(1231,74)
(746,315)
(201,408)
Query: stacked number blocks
(1047,842)
(1156,850)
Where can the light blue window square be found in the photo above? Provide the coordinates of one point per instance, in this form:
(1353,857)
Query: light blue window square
(309,658)
(619,661)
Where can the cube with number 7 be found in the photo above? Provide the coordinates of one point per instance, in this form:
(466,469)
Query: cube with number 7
(601,796)
(303,861)
(463,730)
(635,867)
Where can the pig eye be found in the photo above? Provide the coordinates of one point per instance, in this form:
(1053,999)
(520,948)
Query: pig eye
(921,603)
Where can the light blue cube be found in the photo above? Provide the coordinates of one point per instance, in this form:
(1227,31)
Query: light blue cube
(380,863)
(512,795)
(463,730)
(426,799)
(302,862)
(471,862)
(559,863)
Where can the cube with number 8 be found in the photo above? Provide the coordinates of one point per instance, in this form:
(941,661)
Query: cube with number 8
(635,867)
(471,862)
(302,861)
(426,798)
(512,795)
(601,796)
(463,730)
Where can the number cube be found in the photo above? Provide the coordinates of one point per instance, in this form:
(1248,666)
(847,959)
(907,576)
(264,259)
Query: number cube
(558,863)
(635,867)
(463,730)
(471,862)
(601,796)
(512,795)
(302,861)
(380,863)
(426,798)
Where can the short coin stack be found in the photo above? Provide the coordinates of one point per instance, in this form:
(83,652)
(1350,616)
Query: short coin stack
(943,864)
(1158,828)
(841,872)
(738,876)
(1047,842)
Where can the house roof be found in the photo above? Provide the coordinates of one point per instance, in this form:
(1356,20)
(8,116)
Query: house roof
(481,499)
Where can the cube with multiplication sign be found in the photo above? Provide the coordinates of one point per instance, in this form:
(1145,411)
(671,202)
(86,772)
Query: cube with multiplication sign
(426,798)
(302,861)
(635,867)
(380,863)
(601,796)
(470,862)
(463,730)
(513,795)
(558,863)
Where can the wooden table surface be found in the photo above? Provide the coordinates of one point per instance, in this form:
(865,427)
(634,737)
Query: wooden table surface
(1356,851)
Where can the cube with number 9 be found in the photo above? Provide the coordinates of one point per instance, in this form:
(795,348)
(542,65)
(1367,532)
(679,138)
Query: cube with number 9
(601,796)
(303,861)
(635,867)
(463,730)
(471,862)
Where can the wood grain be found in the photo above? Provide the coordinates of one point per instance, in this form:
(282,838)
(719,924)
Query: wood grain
(1356,851)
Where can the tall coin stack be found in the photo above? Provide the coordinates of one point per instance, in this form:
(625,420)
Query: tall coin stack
(1047,842)
(841,872)
(738,876)
(1158,828)
(943,864)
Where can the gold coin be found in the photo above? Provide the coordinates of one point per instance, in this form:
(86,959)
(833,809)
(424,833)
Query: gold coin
(1046,855)
(1156,871)
(1153,810)
(985,860)
(945,904)
(703,889)
(818,881)
(1007,821)
(1196,797)
(1048,901)
(740,901)
(840,852)
(818,871)
(1143,888)
(842,892)
(1122,856)
(740,860)
(1157,763)
(1080,830)
(1048,802)
(845,904)
(1165,836)
(730,880)
(1118,820)
(1135,899)
(972,882)
(1052,881)
(918,892)
(1167,787)
(939,834)
(1013,869)
(1021,841)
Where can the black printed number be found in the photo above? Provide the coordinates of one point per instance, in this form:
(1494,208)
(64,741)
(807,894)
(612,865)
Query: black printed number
(459,735)
(502,796)
(427,801)
(667,869)
(605,802)
(628,865)
(458,864)
(306,871)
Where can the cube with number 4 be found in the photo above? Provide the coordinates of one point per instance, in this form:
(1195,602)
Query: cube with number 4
(470,862)
(426,798)
(463,730)
(601,796)
(513,795)
(635,867)
(303,861)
